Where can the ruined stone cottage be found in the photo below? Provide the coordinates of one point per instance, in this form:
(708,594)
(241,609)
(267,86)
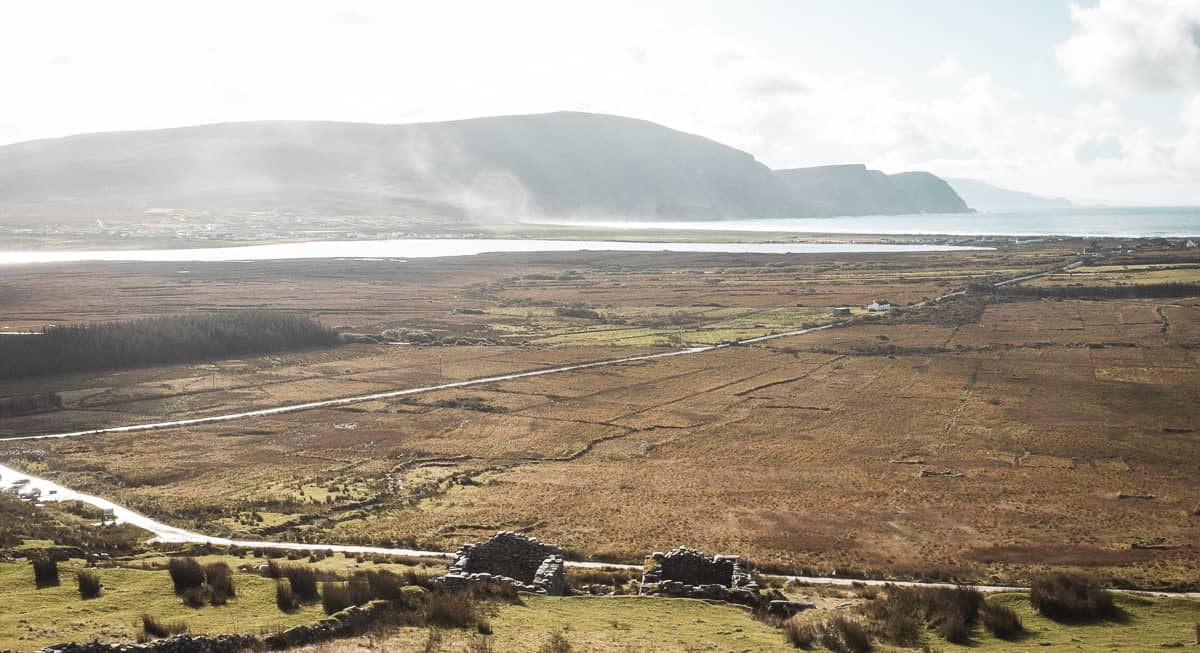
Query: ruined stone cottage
(512,558)
(689,573)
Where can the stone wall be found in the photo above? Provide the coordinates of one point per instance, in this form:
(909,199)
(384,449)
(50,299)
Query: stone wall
(512,558)
(689,573)
(178,644)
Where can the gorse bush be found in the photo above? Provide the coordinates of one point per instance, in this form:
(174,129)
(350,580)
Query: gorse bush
(45,571)
(186,574)
(159,340)
(89,584)
(1070,597)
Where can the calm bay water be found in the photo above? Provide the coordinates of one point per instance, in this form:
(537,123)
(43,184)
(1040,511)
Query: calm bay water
(428,248)
(1118,222)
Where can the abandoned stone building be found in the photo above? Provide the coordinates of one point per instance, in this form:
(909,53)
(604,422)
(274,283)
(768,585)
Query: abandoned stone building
(689,573)
(512,558)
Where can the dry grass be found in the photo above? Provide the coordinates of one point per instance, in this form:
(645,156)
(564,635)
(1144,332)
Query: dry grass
(782,452)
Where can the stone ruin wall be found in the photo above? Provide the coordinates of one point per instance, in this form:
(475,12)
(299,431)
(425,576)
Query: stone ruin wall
(512,558)
(689,573)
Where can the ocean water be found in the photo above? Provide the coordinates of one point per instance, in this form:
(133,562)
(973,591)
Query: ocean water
(1116,222)
(428,248)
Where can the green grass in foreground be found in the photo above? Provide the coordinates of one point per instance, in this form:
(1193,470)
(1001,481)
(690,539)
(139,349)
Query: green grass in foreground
(32,618)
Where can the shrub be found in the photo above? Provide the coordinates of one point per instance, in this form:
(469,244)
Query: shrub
(186,574)
(89,584)
(219,577)
(302,579)
(556,644)
(195,597)
(900,617)
(451,610)
(156,628)
(845,636)
(1070,597)
(335,597)
(385,585)
(285,599)
(1001,621)
(800,634)
(45,571)
(413,577)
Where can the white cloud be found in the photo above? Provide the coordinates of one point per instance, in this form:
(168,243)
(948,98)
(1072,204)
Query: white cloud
(1143,45)
(947,68)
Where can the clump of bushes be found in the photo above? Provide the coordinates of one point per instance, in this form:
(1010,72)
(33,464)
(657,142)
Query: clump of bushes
(89,584)
(154,627)
(45,571)
(904,613)
(336,596)
(800,634)
(844,635)
(301,578)
(198,584)
(578,311)
(1071,597)
(186,574)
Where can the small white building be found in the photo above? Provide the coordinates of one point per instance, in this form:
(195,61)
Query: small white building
(879,305)
(1190,243)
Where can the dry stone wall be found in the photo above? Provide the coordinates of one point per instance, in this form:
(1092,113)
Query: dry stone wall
(512,558)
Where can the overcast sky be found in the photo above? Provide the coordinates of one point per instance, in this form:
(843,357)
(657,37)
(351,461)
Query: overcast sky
(1095,100)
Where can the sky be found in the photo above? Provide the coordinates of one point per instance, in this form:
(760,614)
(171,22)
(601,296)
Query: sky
(1097,100)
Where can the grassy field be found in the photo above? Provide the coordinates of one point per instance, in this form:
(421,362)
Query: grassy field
(1050,433)
(587,623)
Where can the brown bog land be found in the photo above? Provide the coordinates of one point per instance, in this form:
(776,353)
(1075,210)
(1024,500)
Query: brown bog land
(995,436)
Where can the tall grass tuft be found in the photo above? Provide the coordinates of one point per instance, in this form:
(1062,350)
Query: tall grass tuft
(45,571)
(1071,597)
(844,635)
(335,597)
(89,584)
(557,643)
(186,574)
(285,598)
(1001,621)
(451,610)
(154,627)
(800,634)
(219,577)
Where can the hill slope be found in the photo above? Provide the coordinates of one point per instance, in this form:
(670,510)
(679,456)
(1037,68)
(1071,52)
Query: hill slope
(855,190)
(572,165)
(983,195)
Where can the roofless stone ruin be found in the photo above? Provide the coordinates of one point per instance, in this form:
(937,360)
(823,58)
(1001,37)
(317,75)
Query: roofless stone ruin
(689,573)
(512,558)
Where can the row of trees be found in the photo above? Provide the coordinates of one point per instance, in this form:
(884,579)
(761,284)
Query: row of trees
(157,341)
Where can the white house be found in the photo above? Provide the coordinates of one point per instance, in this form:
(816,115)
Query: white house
(1190,243)
(879,305)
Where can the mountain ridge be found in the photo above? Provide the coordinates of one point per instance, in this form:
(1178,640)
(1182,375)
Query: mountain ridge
(564,164)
